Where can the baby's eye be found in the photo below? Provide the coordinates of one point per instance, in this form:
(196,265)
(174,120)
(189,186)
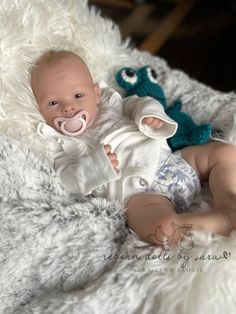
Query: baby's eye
(78,95)
(53,102)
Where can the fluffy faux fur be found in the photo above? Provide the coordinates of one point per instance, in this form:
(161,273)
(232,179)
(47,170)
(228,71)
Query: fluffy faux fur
(59,254)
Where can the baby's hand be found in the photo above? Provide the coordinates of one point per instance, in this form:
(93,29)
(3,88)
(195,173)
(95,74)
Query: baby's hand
(154,122)
(112,157)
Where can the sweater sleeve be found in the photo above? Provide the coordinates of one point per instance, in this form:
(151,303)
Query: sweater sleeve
(87,172)
(138,108)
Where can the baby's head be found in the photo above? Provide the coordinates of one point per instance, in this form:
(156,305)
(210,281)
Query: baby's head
(64,88)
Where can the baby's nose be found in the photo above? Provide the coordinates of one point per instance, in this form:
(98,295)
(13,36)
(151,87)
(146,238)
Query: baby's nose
(68,109)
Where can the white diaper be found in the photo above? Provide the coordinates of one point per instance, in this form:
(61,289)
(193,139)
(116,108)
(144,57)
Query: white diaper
(176,180)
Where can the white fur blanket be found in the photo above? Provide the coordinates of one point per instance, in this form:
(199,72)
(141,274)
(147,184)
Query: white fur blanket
(59,254)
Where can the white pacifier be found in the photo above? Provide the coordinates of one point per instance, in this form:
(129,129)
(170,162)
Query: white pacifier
(72,126)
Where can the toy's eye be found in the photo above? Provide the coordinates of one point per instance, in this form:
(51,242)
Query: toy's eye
(152,75)
(129,75)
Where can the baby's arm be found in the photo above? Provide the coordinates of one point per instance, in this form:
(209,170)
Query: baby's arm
(85,173)
(150,117)
(153,122)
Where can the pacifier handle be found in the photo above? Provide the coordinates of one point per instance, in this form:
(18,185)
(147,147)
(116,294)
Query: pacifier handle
(81,130)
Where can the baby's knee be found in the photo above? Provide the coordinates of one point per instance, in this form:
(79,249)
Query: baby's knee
(166,231)
(151,217)
(223,152)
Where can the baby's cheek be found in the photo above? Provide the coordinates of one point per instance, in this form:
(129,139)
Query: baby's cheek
(47,116)
(92,114)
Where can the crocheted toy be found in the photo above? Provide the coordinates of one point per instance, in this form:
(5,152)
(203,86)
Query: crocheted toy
(143,82)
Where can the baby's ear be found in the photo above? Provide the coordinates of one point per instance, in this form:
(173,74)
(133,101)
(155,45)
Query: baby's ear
(97,93)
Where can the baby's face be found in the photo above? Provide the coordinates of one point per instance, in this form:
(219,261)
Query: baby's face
(64,88)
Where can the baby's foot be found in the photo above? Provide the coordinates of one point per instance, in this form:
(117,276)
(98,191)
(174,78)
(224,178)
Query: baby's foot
(175,235)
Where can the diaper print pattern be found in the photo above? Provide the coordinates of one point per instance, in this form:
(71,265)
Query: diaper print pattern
(178,181)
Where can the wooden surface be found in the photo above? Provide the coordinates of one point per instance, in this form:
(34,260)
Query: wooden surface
(166,27)
(140,20)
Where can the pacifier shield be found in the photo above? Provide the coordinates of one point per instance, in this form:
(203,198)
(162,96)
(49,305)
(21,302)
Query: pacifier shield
(73,126)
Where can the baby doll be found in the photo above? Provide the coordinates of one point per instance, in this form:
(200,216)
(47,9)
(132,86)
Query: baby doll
(116,148)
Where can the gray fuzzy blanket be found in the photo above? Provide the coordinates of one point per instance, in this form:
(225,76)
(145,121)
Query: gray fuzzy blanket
(48,241)
(59,254)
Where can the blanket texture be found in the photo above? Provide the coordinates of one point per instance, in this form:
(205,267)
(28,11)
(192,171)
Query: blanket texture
(62,254)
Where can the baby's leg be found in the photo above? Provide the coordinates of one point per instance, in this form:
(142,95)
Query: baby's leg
(216,162)
(145,212)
